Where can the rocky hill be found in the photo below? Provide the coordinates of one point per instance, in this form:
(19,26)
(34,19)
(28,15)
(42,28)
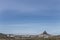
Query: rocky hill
(42,36)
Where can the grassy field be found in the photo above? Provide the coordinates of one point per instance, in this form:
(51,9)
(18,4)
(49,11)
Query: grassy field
(52,38)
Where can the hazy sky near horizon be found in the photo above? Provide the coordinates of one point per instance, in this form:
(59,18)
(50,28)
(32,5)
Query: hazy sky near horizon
(29,16)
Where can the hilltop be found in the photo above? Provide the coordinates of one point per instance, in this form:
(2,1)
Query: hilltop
(41,36)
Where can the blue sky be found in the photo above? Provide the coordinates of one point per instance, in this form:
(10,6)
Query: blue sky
(29,16)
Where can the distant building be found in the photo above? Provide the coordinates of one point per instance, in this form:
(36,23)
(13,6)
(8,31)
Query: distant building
(10,35)
(45,35)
